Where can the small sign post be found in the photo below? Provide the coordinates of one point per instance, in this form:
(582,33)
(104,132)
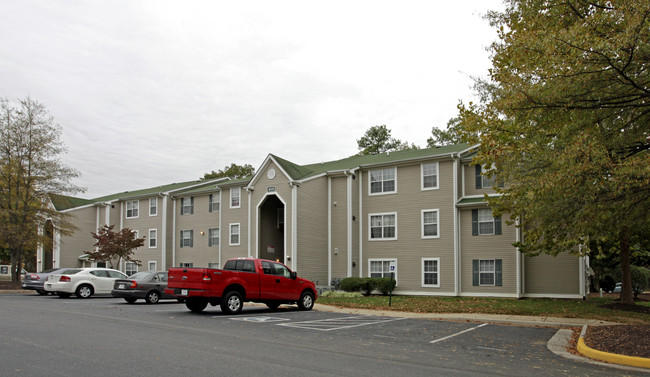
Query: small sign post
(392,277)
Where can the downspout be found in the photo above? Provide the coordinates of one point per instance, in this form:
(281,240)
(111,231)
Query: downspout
(294,224)
(248,237)
(163,232)
(518,257)
(349,176)
(456,225)
(360,218)
(329,230)
(173,231)
(220,225)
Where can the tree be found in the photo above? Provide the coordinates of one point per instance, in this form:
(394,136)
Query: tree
(377,140)
(565,120)
(452,135)
(30,170)
(114,246)
(233,171)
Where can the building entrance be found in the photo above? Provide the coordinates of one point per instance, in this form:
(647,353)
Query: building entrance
(271,229)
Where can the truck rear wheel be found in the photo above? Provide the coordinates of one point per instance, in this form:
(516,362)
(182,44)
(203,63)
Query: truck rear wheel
(196,304)
(232,303)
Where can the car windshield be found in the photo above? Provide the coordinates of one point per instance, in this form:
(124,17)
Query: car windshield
(140,275)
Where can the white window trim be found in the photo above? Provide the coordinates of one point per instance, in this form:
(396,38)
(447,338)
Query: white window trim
(437,211)
(218,234)
(493,272)
(370,215)
(215,201)
(155,200)
(136,267)
(191,237)
(230,234)
(438,272)
(150,238)
(370,193)
(479,222)
(390,260)
(437,186)
(232,190)
(155,265)
(137,207)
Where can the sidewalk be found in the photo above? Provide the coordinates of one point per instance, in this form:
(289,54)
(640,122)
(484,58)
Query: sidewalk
(558,344)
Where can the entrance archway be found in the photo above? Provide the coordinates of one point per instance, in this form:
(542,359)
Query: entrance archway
(48,246)
(271,229)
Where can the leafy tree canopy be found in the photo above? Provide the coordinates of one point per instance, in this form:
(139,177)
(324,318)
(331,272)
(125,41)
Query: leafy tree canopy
(233,171)
(113,246)
(565,118)
(377,140)
(452,135)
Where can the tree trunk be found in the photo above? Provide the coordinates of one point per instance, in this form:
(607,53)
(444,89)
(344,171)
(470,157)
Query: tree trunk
(626,272)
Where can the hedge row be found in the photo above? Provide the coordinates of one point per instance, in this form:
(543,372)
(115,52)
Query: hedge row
(368,285)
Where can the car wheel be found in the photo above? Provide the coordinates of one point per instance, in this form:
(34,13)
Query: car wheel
(306,301)
(232,303)
(152,297)
(196,304)
(42,292)
(84,291)
(63,294)
(130,300)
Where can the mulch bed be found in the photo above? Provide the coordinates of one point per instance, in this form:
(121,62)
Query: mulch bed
(629,340)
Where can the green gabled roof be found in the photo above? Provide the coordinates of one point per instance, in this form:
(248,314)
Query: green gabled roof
(63,202)
(147,191)
(467,201)
(301,172)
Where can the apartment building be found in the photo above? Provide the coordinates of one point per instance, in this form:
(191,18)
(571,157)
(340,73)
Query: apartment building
(418,214)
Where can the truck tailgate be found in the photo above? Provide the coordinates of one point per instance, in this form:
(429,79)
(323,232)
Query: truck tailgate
(194,278)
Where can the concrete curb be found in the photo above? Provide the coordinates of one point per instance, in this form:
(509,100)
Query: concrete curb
(613,358)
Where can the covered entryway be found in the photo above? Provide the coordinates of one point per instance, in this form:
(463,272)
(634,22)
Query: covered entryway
(271,222)
(48,246)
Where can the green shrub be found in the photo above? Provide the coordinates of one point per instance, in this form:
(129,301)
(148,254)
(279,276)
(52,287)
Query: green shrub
(351,284)
(640,279)
(367,285)
(385,285)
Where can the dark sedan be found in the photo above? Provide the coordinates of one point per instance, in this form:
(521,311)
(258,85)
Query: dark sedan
(147,285)
(36,280)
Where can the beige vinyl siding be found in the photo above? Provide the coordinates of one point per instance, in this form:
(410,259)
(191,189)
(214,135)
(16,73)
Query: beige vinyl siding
(312,231)
(548,275)
(410,247)
(71,247)
(142,224)
(487,247)
(232,216)
(339,227)
(169,236)
(200,221)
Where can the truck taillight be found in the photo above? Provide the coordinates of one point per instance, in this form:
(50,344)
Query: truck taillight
(65,278)
(134,284)
(206,276)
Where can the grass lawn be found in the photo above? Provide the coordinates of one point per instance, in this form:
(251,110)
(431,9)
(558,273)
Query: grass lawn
(605,308)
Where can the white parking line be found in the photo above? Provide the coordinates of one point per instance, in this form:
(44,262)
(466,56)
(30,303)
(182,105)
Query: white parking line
(458,333)
(339,323)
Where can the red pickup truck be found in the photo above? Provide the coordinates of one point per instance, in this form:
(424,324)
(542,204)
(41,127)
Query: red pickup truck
(240,280)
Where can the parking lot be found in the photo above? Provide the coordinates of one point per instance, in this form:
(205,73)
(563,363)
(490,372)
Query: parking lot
(167,339)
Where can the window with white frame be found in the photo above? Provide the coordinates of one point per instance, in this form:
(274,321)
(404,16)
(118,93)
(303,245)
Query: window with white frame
(383,226)
(380,268)
(430,223)
(430,176)
(213,205)
(153,206)
(153,266)
(482,181)
(486,271)
(235,194)
(213,237)
(187,238)
(186,265)
(130,268)
(187,206)
(383,181)
(234,234)
(431,272)
(132,209)
(153,238)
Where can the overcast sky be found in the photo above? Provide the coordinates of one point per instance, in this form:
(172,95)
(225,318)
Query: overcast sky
(156,92)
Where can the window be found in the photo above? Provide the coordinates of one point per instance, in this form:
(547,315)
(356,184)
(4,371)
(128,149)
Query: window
(487,272)
(235,193)
(130,268)
(234,234)
(213,237)
(132,209)
(187,206)
(481,180)
(430,176)
(383,226)
(187,238)
(153,206)
(153,266)
(484,224)
(430,224)
(213,265)
(186,265)
(213,205)
(153,238)
(431,272)
(380,268)
(383,181)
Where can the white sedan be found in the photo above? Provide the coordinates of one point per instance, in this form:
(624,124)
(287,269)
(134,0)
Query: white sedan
(83,282)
